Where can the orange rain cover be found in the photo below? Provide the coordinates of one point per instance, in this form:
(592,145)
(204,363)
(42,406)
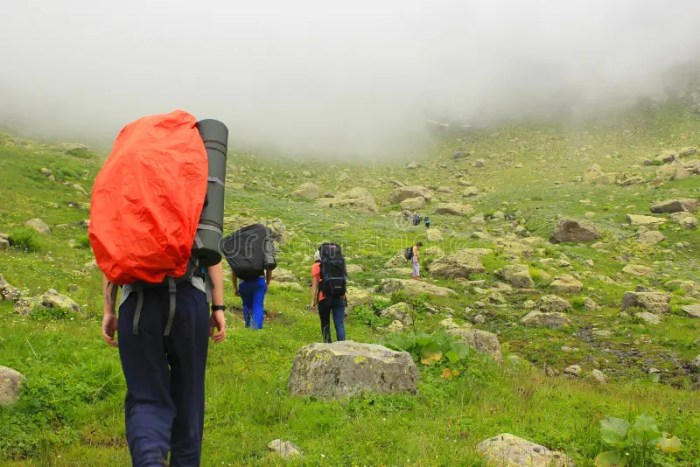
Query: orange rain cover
(148,198)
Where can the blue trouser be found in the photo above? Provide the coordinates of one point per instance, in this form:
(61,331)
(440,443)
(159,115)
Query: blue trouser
(336,305)
(253,297)
(164,406)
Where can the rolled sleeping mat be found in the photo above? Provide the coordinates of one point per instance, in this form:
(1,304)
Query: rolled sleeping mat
(210,229)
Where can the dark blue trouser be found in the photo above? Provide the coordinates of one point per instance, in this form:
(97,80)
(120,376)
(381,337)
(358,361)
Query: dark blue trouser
(164,406)
(336,305)
(253,297)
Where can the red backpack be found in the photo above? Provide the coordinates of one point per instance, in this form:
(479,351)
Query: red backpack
(147,199)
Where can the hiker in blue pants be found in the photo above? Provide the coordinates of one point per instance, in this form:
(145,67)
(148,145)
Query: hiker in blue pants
(164,368)
(252,294)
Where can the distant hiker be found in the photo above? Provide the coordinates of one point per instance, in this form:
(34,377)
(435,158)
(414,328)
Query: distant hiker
(415,253)
(149,238)
(417,219)
(250,253)
(427,222)
(329,279)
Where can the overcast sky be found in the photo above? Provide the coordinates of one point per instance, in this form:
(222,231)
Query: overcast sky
(327,77)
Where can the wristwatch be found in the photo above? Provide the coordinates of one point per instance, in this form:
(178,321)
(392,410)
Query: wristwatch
(218,307)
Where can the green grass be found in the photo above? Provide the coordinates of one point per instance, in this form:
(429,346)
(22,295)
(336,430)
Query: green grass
(71,408)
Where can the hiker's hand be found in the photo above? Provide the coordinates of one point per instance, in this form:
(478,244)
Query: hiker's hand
(312,308)
(109,327)
(237,292)
(218,322)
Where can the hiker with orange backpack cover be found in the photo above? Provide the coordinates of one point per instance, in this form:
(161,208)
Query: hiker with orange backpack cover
(147,220)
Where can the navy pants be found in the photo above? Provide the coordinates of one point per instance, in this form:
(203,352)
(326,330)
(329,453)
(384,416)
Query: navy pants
(253,297)
(164,406)
(336,306)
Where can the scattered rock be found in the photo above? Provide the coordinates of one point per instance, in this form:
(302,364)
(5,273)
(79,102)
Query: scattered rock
(353,268)
(470,191)
(566,284)
(670,172)
(572,370)
(654,302)
(286,449)
(551,320)
(455,209)
(479,163)
(8,292)
(651,237)
(402,312)
(434,235)
(412,287)
(482,341)
(675,205)
(460,155)
(46,172)
(574,231)
(637,270)
(690,310)
(689,151)
(406,192)
(553,303)
(506,450)
(348,368)
(39,225)
(594,175)
(50,300)
(358,198)
(412,165)
(599,376)
(685,220)
(413,203)
(10,384)
(649,318)
(307,191)
(517,275)
(462,264)
(648,221)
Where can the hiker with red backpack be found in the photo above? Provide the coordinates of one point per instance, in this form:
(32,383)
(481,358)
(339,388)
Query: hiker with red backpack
(328,283)
(250,253)
(153,235)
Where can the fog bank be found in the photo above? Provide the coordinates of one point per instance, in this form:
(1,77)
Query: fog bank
(324,78)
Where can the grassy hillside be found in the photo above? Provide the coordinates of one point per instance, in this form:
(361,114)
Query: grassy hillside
(70,412)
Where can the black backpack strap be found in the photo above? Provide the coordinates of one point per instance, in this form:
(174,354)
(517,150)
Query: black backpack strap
(172,292)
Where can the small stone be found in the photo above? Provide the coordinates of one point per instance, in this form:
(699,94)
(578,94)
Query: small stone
(599,376)
(285,449)
(573,370)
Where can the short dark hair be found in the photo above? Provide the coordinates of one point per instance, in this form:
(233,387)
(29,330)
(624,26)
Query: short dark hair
(419,244)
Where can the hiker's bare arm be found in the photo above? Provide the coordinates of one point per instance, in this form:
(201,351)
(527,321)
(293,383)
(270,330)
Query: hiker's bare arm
(217,322)
(268,277)
(314,291)
(109,318)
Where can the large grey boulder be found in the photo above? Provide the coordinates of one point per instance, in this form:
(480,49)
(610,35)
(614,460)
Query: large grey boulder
(551,320)
(462,264)
(406,192)
(307,191)
(653,302)
(506,450)
(10,384)
(574,231)
(675,205)
(347,368)
(358,198)
(413,287)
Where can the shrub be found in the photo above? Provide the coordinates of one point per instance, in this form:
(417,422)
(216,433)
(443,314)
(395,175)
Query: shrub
(639,444)
(25,239)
